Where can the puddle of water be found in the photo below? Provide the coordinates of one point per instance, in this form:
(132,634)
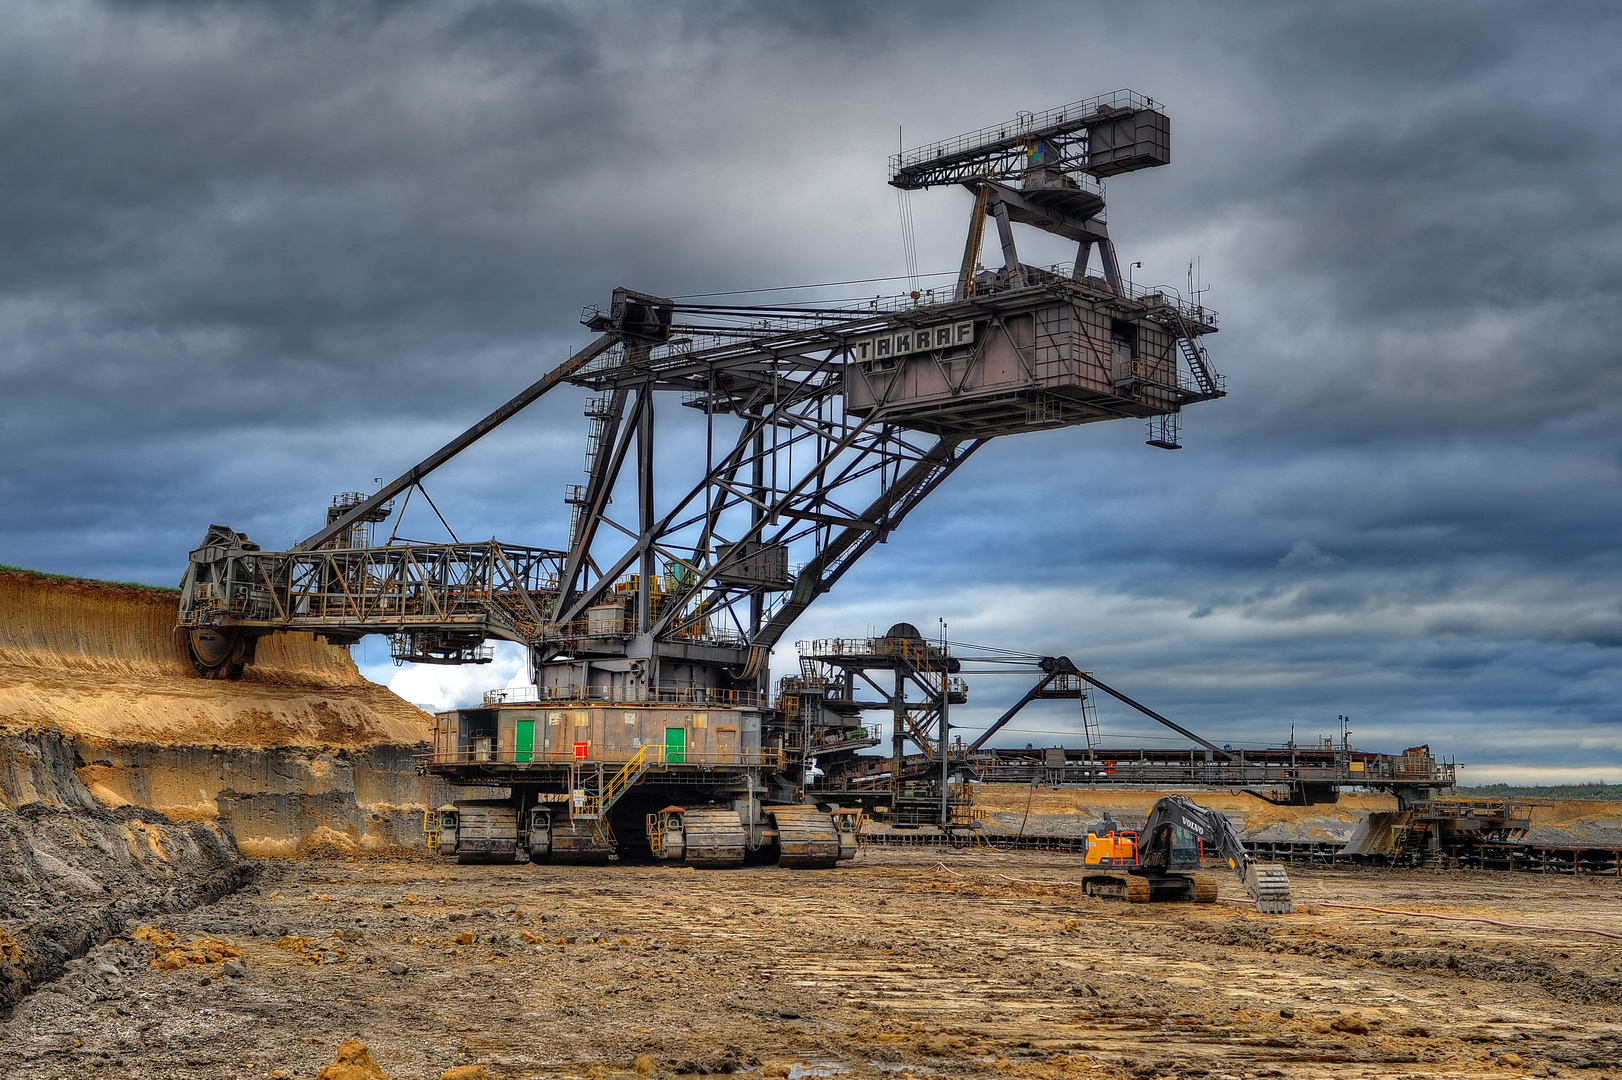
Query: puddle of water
(801,1072)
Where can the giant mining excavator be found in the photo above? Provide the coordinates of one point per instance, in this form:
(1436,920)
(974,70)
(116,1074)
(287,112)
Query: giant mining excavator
(1158,865)
(804,435)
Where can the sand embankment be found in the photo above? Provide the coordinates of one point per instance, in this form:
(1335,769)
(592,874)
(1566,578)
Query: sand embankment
(302,755)
(1068,812)
(99,661)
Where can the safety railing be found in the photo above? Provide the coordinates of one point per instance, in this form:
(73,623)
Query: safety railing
(596,804)
(854,318)
(1025,124)
(576,694)
(749,757)
(1408,768)
(917,652)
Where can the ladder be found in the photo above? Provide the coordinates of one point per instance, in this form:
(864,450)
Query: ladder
(1089,722)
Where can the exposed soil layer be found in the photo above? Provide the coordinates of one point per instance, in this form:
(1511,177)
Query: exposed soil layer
(283,801)
(897,962)
(100,661)
(73,872)
(301,756)
(126,782)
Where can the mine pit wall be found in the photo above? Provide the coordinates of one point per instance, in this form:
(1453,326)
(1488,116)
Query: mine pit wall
(74,872)
(1008,808)
(131,788)
(100,661)
(1069,812)
(279,801)
(302,756)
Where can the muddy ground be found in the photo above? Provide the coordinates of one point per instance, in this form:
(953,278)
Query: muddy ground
(904,961)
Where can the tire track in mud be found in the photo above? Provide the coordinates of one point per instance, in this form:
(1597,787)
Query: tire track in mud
(858,972)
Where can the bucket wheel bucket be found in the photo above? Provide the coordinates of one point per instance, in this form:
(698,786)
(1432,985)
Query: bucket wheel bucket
(217,653)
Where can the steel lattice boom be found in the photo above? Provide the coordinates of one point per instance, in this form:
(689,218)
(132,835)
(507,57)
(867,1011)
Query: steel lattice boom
(788,442)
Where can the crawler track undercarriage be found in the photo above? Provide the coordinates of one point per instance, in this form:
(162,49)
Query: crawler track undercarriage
(799,837)
(1139,888)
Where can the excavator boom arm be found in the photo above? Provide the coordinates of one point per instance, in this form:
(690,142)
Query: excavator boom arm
(1265,883)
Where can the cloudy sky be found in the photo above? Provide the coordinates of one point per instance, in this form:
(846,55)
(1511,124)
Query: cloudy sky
(255,254)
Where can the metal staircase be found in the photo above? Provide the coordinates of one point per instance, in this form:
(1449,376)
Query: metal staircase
(597,804)
(1194,355)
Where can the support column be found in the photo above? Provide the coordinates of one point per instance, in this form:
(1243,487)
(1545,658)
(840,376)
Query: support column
(1005,234)
(898,708)
(971,247)
(1084,254)
(1112,269)
(946,727)
(757,482)
(647,564)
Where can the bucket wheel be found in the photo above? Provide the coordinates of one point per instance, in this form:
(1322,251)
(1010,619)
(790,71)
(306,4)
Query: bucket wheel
(217,654)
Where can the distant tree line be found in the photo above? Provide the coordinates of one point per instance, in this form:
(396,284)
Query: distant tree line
(1595,791)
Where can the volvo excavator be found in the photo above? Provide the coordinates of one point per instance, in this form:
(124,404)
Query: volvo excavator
(1170,845)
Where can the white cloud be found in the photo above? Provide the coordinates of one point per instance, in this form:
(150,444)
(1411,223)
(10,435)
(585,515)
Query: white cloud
(438,687)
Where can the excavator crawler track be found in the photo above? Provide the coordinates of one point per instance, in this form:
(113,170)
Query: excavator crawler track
(1140,889)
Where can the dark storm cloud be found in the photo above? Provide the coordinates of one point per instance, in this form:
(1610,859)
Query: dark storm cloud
(251,254)
(227,207)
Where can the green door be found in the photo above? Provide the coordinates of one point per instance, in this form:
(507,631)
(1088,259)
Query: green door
(675,745)
(524,743)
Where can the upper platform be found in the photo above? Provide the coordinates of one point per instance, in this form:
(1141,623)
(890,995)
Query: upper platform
(1114,133)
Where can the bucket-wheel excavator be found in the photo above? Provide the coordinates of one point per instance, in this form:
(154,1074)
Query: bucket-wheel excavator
(1171,843)
(650,725)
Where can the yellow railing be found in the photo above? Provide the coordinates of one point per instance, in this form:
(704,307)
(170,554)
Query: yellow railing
(643,760)
(744,757)
(430,828)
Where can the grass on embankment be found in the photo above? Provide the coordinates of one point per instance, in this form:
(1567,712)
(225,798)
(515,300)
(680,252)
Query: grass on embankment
(87,581)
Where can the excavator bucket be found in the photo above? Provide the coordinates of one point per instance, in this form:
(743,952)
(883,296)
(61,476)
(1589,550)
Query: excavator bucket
(1269,886)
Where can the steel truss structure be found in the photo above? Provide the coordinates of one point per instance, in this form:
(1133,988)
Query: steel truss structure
(441,600)
(811,456)
(821,427)
(915,682)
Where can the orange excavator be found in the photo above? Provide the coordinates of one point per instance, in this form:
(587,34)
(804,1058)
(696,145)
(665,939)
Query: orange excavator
(1158,869)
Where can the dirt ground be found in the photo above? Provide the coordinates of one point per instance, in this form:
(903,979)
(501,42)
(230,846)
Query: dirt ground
(905,963)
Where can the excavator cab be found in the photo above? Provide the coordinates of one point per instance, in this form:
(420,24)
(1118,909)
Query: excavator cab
(1184,849)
